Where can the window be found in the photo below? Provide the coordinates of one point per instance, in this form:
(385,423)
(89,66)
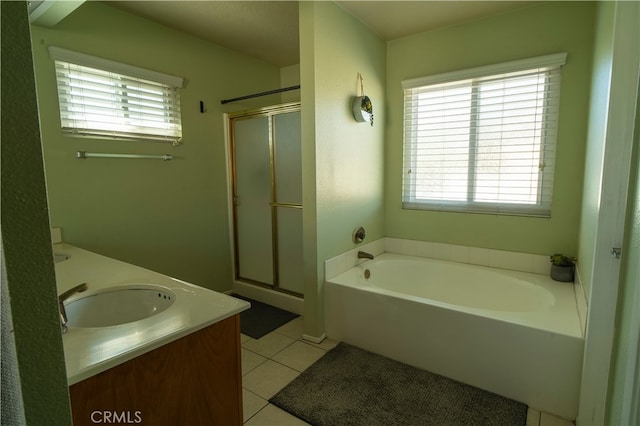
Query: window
(483,140)
(102,98)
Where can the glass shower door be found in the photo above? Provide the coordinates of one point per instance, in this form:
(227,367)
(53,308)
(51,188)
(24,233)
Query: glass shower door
(267,189)
(288,200)
(254,247)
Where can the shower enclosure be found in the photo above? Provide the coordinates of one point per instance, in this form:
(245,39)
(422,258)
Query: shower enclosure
(266,179)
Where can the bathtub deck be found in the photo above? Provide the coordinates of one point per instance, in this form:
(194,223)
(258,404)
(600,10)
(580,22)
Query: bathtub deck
(561,318)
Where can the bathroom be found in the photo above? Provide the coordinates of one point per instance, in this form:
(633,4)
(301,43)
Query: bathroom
(173,216)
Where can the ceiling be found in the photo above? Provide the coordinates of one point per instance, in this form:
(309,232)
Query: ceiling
(269,29)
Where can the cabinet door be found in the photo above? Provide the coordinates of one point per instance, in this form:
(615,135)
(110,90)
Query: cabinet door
(195,380)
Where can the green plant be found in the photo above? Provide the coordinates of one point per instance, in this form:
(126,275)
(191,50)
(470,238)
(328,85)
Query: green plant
(562,260)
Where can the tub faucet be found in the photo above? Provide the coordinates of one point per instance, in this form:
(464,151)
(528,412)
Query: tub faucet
(364,255)
(63,297)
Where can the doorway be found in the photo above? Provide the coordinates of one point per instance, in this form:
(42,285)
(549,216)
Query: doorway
(266,187)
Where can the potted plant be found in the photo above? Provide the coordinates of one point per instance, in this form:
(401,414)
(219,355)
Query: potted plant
(562,267)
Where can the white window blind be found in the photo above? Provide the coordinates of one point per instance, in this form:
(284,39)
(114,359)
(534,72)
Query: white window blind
(483,140)
(102,98)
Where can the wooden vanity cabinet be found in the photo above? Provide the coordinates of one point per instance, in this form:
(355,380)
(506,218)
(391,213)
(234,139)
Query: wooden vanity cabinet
(195,380)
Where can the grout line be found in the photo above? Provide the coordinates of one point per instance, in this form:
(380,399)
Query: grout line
(254,414)
(311,344)
(270,358)
(285,365)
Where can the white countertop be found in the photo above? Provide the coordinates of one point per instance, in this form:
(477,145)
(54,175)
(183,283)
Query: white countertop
(89,351)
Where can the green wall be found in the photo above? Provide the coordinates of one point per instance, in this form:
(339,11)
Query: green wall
(172,216)
(343,161)
(26,242)
(597,127)
(168,216)
(541,29)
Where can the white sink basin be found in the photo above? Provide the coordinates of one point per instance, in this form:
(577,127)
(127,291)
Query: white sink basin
(118,305)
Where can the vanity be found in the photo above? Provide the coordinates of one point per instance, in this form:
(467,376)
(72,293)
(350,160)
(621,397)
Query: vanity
(145,348)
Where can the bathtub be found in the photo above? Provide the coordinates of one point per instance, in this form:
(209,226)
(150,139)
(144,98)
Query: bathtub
(516,334)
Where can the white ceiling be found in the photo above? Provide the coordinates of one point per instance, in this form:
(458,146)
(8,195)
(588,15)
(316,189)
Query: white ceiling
(269,29)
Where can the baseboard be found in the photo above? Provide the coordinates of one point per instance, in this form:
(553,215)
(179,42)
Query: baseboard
(56,235)
(314,339)
(273,298)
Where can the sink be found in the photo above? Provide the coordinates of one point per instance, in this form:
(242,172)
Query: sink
(118,305)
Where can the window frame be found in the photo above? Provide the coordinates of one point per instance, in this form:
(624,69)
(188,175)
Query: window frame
(125,79)
(542,207)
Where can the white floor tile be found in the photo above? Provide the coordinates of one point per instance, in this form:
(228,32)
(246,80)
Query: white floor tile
(547,419)
(326,345)
(292,329)
(251,404)
(250,360)
(268,345)
(268,379)
(533,417)
(244,338)
(299,356)
(272,416)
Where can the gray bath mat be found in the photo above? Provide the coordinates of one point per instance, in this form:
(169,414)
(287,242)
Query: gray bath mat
(350,386)
(261,318)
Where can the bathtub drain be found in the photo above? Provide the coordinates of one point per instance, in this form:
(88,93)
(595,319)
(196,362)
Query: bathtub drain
(367,273)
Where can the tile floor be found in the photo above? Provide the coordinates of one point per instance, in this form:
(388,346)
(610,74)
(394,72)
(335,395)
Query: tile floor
(271,362)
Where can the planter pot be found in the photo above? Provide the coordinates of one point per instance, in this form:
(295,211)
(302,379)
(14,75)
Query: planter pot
(362,109)
(562,273)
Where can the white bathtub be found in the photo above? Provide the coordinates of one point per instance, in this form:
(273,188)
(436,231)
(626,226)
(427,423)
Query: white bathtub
(516,334)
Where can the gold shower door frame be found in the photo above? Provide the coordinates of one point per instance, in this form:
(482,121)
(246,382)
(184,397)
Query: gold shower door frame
(269,113)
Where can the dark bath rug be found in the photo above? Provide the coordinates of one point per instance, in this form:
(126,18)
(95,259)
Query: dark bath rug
(351,386)
(261,318)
